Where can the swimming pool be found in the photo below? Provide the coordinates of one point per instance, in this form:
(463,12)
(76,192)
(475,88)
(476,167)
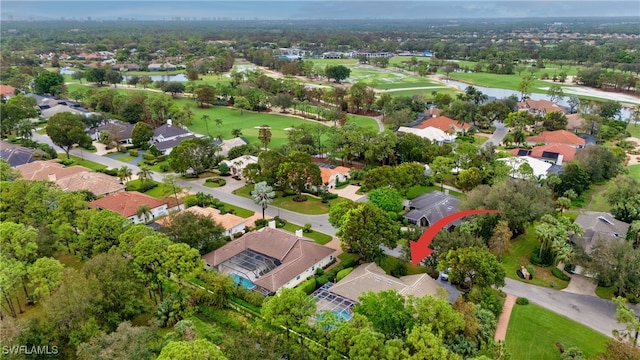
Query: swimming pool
(239,280)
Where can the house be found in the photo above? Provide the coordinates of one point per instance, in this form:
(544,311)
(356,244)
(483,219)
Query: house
(168,132)
(540,107)
(229,144)
(17,155)
(371,277)
(269,259)
(237,165)
(232,224)
(575,122)
(97,183)
(165,147)
(7,91)
(47,113)
(554,154)
(541,169)
(599,226)
(332,174)
(48,170)
(557,137)
(436,136)
(428,208)
(445,124)
(128,203)
(161,67)
(117,129)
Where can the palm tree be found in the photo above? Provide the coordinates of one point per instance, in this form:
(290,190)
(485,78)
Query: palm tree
(206,118)
(563,203)
(23,128)
(144,175)
(144,213)
(236,132)
(263,195)
(124,174)
(218,122)
(171,181)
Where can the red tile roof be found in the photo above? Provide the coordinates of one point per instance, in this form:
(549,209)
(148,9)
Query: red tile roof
(327,173)
(126,203)
(7,90)
(567,152)
(540,105)
(443,123)
(557,137)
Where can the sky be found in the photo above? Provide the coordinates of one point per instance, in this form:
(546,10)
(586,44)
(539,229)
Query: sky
(313,9)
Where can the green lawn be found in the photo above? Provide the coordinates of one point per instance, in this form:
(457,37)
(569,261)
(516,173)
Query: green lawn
(634,171)
(480,139)
(634,130)
(318,237)
(425,92)
(126,158)
(160,191)
(498,80)
(248,122)
(389,263)
(313,205)
(79,161)
(363,121)
(237,210)
(418,190)
(606,292)
(519,255)
(533,332)
(596,199)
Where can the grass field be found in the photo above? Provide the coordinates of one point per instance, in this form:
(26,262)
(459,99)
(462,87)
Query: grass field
(634,130)
(427,93)
(160,191)
(634,171)
(519,255)
(318,237)
(510,82)
(239,211)
(533,332)
(79,161)
(606,292)
(313,205)
(596,199)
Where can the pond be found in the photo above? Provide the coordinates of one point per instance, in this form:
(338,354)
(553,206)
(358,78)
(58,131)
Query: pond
(67,71)
(178,77)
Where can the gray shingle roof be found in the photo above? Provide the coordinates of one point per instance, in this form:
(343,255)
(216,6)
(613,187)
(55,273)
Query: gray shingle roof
(169,144)
(167,131)
(16,155)
(599,226)
(433,206)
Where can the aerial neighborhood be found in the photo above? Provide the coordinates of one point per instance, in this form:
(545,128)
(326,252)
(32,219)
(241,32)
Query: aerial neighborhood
(226,188)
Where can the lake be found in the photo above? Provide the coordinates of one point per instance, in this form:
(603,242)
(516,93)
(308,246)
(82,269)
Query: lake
(179,77)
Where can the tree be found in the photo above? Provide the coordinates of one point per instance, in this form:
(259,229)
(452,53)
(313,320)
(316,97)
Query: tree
(149,258)
(338,72)
(297,172)
(65,130)
(127,342)
(387,312)
(475,267)
(193,155)
(113,77)
(500,240)
(387,199)
(186,350)
(363,228)
(599,162)
(242,103)
(554,120)
(45,275)
(173,87)
(205,95)
(78,75)
(283,101)
(144,213)
(198,231)
(49,83)
(628,317)
(145,81)
(573,103)
(141,135)
(524,87)
(14,111)
(264,135)
(623,194)
(144,175)
(236,132)
(616,263)
(423,344)
(441,168)
(469,179)
(24,129)
(554,233)
(555,93)
(291,308)
(7,173)
(96,75)
(263,195)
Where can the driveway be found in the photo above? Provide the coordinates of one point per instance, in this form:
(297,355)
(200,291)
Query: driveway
(582,285)
(349,192)
(498,135)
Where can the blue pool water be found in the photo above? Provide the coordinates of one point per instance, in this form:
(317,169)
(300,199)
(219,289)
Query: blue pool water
(344,314)
(239,280)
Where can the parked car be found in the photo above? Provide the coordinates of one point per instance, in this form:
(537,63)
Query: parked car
(444,275)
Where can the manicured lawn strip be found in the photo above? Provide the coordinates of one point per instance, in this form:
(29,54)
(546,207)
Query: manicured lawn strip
(634,130)
(425,92)
(318,237)
(596,200)
(79,161)
(345,256)
(520,254)
(313,206)
(499,80)
(239,211)
(533,332)
(634,171)
(126,158)
(606,292)
(480,139)
(363,121)
(418,190)
(407,83)
(160,191)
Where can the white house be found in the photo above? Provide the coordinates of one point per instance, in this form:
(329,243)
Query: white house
(237,165)
(540,168)
(168,132)
(434,134)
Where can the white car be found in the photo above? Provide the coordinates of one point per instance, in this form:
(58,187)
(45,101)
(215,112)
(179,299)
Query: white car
(444,275)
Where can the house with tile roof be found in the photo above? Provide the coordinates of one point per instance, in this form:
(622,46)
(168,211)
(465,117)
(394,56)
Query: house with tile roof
(557,137)
(269,259)
(332,174)
(7,91)
(555,154)
(436,136)
(231,223)
(575,122)
(118,129)
(127,204)
(445,124)
(237,165)
(599,226)
(428,208)
(371,277)
(98,183)
(17,155)
(48,170)
(540,107)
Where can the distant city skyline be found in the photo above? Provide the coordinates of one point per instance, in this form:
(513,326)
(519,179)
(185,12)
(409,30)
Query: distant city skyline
(312,9)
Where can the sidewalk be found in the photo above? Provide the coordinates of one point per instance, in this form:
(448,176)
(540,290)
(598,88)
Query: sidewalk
(503,321)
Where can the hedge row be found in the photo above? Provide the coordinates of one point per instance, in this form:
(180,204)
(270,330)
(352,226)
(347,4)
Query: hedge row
(559,274)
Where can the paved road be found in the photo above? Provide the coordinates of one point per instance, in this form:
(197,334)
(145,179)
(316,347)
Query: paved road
(318,222)
(498,135)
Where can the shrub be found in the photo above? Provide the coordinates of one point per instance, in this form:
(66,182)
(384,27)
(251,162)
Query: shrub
(522,301)
(67,162)
(110,172)
(350,261)
(342,273)
(530,269)
(148,156)
(219,181)
(260,223)
(133,153)
(252,297)
(164,167)
(308,286)
(223,168)
(280,223)
(559,274)
(545,260)
(321,280)
(488,298)
(319,271)
(306,228)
